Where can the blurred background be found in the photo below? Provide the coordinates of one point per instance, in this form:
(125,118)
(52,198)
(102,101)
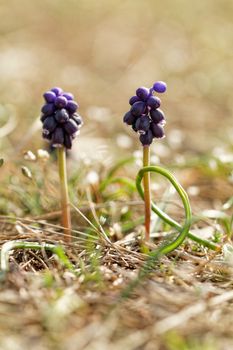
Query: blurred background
(102,51)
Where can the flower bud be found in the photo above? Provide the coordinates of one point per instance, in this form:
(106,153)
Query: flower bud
(78,119)
(70,127)
(68,96)
(133,99)
(60,102)
(157,130)
(153,102)
(157,116)
(143,93)
(48,109)
(129,118)
(147,138)
(138,108)
(72,106)
(61,116)
(58,91)
(142,124)
(49,125)
(160,86)
(49,96)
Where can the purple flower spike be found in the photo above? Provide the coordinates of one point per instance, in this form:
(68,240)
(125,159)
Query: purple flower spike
(160,86)
(60,122)
(145,117)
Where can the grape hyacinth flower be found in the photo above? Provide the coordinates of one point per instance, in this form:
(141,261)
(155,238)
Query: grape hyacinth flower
(61,124)
(148,121)
(144,116)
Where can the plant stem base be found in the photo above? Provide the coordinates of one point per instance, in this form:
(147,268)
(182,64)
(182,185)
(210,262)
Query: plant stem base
(65,206)
(147,199)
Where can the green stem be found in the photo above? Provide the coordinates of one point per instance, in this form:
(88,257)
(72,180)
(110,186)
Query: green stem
(130,184)
(11,245)
(146,182)
(65,206)
(184,230)
(112,171)
(165,248)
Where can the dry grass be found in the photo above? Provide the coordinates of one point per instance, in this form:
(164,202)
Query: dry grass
(185,301)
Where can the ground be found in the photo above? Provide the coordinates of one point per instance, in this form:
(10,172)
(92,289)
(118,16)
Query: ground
(96,299)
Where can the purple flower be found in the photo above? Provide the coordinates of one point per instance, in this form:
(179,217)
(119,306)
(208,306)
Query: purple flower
(60,102)
(72,106)
(68,96)
(58,91)
(61,115)
(160,86)
(157,116)
(129,118)
(49,125)
(49,96)
(48,109)
(142,93)
(133,99)
(71,127)
(147,138)
(138,108)
(144,116)
(153,102)
(60,121)
(77,118)
(157,130)
(143,124)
